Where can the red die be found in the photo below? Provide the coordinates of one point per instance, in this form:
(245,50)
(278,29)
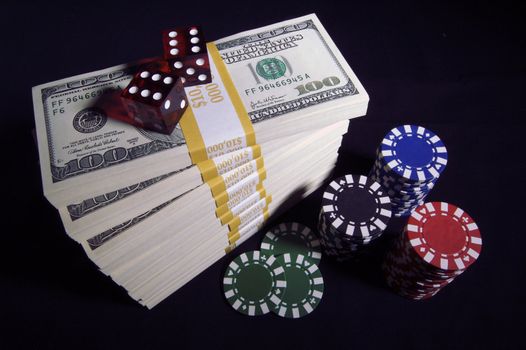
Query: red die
(185,50)
(155,100)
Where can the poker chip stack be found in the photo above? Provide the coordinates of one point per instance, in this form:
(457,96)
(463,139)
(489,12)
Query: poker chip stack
(283,277)
(408,163)
(355,211)
(440,241)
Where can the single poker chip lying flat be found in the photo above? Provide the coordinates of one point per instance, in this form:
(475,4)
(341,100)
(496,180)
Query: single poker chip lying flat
(304,286)
(294,238)
(253,284)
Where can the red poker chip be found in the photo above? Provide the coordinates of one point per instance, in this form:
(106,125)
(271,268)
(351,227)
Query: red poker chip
(410,283)
(411,289)
(439,242)
(411,293)
(414,277)
(419,264)
(417,296)
(411,269)
(413,264)
(444,236)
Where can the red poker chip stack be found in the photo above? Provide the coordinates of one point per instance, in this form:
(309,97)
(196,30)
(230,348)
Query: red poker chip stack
(439,242)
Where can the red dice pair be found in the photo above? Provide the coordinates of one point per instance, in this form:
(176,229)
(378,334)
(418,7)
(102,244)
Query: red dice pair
(155,98)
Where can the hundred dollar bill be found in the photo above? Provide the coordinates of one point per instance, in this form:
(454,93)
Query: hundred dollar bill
(290,76)
(288,67)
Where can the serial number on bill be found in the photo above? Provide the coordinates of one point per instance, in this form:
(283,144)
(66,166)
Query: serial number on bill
(57,104)
(276,84)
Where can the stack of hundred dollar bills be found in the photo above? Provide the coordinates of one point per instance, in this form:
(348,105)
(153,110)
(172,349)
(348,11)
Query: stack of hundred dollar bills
(143,212)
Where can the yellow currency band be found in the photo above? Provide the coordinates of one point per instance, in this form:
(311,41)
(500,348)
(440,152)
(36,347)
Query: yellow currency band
(208,168)
(225,210)
(223,197)
(234,236)
(227,214)
(192,135)
(232,93)
(217,184)
(194,140)
(235,222)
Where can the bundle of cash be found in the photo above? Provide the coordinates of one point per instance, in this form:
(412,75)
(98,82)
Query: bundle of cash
(152,210)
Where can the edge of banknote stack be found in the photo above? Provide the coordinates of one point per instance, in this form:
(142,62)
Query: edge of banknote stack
(153,211)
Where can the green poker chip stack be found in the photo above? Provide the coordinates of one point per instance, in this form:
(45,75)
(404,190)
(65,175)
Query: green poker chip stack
(283,277)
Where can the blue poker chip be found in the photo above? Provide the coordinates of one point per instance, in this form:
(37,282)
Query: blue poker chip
(403,214)
(386,174)
(403,188)
(394,193)
(406,207)
(406,202)
(405,211)
(390,176)
(414,189)
(413,153)
(397,191)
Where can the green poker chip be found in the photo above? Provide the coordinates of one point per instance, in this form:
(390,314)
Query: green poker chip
(304,286)
(292,238)
(254,283)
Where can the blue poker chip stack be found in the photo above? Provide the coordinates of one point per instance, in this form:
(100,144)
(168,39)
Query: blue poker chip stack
(408,164)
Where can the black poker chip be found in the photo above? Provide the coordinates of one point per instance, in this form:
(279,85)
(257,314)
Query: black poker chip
(355,211)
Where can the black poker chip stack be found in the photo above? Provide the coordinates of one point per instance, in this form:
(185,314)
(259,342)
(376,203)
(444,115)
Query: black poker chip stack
(354,213)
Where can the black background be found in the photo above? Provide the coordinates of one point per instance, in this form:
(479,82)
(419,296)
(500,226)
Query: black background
(457,68)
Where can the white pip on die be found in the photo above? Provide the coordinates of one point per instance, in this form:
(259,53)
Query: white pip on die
(155,100)
(185,50)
